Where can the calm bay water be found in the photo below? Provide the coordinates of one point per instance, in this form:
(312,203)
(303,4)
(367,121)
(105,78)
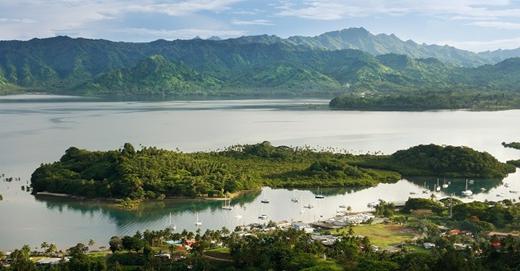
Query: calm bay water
(32,132)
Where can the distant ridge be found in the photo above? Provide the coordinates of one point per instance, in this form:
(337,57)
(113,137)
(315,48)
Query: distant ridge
(346,61)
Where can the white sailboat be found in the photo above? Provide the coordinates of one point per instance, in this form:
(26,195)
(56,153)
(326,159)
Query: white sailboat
(227,204)
(425,191)
(262,216)
(198,223)
(294,199)
(173,227)
(444,184)
(319,196)
(467,192)
(438,187)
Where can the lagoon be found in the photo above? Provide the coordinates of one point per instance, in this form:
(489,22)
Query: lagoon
(36,129)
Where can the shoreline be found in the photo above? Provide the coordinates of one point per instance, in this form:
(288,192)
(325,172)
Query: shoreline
(136,203)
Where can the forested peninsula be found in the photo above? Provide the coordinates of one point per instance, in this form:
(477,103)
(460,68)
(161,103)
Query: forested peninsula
(152,173)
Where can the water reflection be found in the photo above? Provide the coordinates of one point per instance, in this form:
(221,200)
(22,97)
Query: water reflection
(146,212)
(280,207)
(455,186)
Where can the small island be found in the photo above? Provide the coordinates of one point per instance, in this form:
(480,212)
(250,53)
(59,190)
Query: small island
(152,173)
(514,145)
(425,100)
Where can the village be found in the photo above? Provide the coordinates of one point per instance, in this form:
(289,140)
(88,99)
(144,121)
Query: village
(389,227)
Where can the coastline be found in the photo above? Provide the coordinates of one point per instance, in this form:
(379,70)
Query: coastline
(133,204)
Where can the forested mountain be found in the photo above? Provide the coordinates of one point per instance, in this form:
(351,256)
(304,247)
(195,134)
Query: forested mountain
(259,66)
(361,39)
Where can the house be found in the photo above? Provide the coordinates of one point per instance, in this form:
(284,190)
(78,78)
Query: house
(188,244)
(428,245)
(496,244)
(460,246)
(327,240)
(51,261)
(454,232)
(165,256)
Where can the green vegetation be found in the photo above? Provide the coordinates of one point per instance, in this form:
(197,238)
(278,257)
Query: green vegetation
(462,242)
(382,235)
(423,204)
(435,160)
(152,173)
(514,145)
(378,77)
(427,100)
(515,163)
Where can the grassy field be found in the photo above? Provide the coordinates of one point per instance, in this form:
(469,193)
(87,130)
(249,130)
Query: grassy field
(383,235)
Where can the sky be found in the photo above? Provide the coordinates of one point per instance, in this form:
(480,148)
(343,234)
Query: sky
(475,25)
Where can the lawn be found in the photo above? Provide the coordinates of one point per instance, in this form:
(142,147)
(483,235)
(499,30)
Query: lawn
(383,235)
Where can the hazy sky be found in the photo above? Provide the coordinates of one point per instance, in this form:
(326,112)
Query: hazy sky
(470,24)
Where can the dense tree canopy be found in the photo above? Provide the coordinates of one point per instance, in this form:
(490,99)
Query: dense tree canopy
(152,173)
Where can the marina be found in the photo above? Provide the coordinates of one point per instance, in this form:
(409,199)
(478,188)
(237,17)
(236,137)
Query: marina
(189,127)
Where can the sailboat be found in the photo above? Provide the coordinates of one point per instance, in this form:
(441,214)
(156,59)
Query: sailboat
(198,222)
(467,192)
(173,227)
(294,199)
(319,196)
(425,191)
(227,204)
(444,184)
(438,187)
(262,216)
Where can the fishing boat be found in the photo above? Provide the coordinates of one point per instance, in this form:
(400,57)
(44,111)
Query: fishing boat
(308,206)
(264,201)
(373,204)
(467,192)
(263,217)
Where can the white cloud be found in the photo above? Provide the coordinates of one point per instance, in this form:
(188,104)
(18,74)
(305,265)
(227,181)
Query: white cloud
(183,7)
(73,16)
(338,9)
(497,24)
(17,20)
(479,46)
(252,22)
(184,33)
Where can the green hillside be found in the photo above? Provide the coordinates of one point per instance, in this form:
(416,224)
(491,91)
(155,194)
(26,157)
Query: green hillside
(258,66)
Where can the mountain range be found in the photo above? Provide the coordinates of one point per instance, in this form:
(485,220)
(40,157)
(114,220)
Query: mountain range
(347,61)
